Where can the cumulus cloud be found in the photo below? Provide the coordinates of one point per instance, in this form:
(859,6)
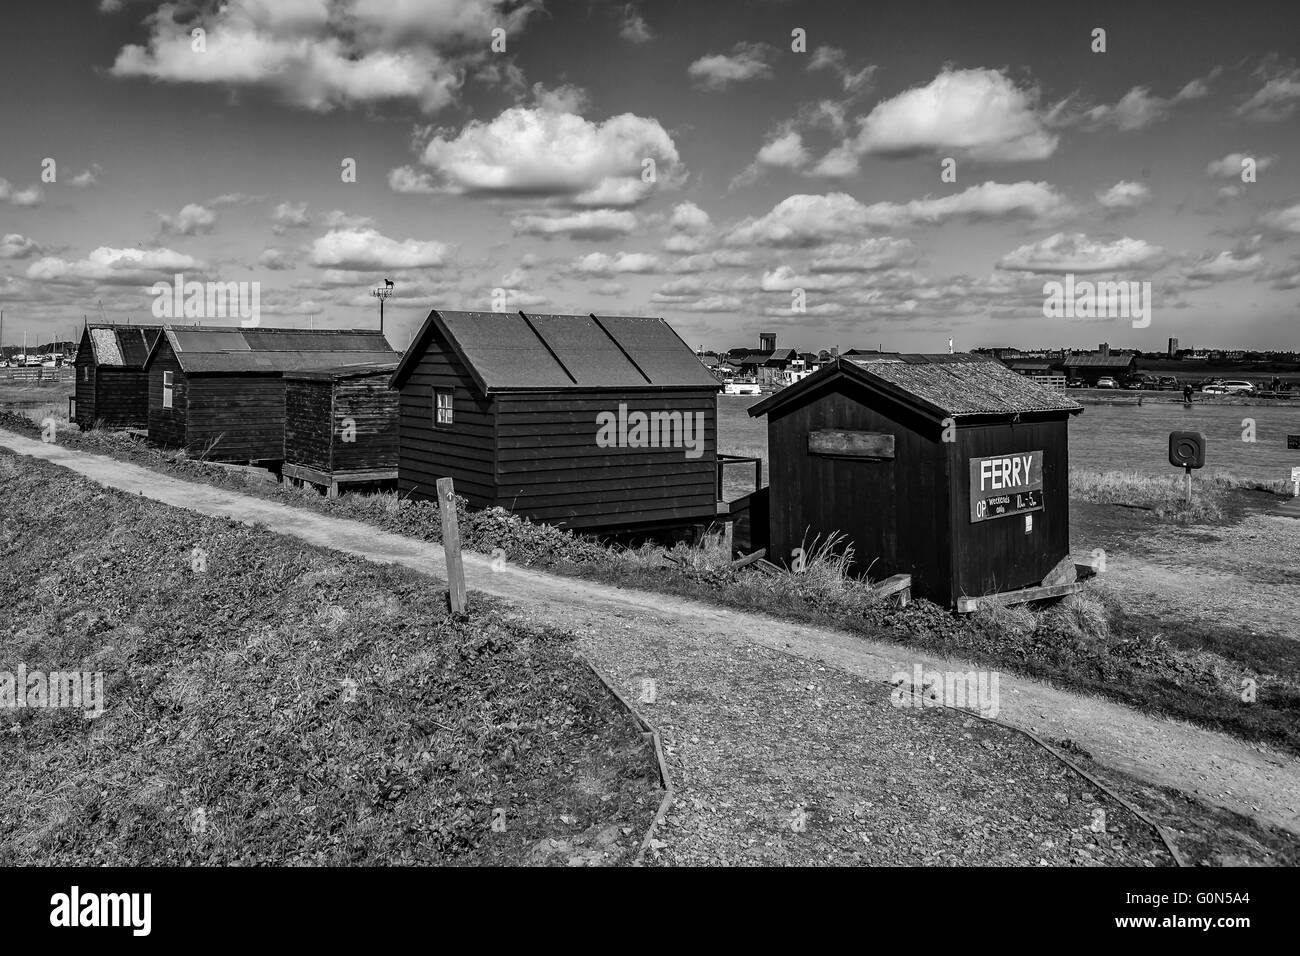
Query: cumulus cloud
(1075,252)
(981,114)
(192,220)
(360,250)
(338,219)
(834,60)
(543,153)
(879,252)
(747,61)
(109,266)
(602,264)
(565,98)
(288,215)
(31,196)
(690,218)
(14,246)
(1230,167)
(634,29)
(274,259)
(582,224)
(812,220)
(1139,108)
(87,177)
(1124,195)
(319,54)
(785,152)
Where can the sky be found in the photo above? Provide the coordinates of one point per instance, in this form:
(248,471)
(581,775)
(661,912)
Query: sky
(840,173)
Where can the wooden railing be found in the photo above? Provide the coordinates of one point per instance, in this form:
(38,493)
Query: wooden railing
(65,374)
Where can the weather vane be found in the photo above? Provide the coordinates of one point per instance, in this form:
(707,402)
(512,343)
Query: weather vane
(381,293)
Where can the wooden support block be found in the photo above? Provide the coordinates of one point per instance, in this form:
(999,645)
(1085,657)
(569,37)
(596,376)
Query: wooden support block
(898,584)
(966,605)
(1063,573)
(749,558)
(457,596)
(851,444)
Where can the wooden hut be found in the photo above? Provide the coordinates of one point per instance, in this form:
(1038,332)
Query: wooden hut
(340,425)
(588,422)
(950,468)
(221,390)
(111,387)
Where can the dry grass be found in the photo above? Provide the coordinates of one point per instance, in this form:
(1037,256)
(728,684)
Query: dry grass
(1166,496)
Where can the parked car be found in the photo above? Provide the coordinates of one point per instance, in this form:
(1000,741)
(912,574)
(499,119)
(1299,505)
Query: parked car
(1139,382)
(1237,387)
(1168,383)
(1076,383)
(1107,382)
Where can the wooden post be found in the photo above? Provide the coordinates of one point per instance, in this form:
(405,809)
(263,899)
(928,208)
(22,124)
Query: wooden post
(727,531)
(1189,487)
(451,546)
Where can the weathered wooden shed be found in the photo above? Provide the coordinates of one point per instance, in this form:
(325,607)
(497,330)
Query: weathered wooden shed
(588,422)
(340,425)
(111,387)
(221,390)
(950,468)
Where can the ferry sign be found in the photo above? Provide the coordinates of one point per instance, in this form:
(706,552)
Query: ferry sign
(1006,485)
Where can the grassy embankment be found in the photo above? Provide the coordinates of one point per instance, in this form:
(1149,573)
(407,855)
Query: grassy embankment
(285,704)
(1086,642)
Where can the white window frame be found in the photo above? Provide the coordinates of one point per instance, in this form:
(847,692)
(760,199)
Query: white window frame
(167,390)
(439,420)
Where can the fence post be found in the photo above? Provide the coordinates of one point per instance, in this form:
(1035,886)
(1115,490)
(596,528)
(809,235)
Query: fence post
(451,546)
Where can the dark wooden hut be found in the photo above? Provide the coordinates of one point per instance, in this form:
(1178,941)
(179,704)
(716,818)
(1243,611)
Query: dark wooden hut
(111,387)
(340,425)
(221,390)
(950,468)
(588,422)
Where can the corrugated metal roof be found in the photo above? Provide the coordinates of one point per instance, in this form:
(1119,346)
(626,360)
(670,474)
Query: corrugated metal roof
(233,350)
(545,352)
(944,385)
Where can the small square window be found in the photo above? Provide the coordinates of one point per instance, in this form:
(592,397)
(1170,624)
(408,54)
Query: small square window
(442,407)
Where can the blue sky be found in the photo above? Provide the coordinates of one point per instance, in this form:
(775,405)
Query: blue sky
(523,172)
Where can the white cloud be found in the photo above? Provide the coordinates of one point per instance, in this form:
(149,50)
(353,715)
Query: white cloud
(1276,100)
(289,215)
(14,246)
(582,224)
(635,29)
(785,152)
(688,217)
(31,196)
(1224,265)
(338,219)
(1139,108)
(1230,167)
(358,250)
(192,220)
(1283,220)
(1124,195)
(841,162)
(565,98)
(879,252)
(274,259)
(318,54)
(602,264)
(834,60)
(87,177)
(811,220)
(540,152)
(109,266)
(1077,253)
(981,114)
(609,288)
(747,61)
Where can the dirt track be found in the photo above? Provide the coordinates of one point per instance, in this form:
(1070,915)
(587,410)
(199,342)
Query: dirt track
(1218,769)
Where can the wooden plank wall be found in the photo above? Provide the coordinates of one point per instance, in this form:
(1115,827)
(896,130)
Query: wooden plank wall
(465,453)
(84,393)
(373,406)
(307,423)
(893,511)
(996,555)
(245,412)
(167,425)
(551,469)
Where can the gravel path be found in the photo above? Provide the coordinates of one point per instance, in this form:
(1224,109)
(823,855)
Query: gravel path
(718,670)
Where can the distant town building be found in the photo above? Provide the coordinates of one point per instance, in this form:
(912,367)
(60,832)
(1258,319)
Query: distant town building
(1173,348)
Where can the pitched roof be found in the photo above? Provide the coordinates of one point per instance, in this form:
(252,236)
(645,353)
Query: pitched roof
(337,372)
(234,350)
(530,351)
(1098,361)
(122,346)
(944,386)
